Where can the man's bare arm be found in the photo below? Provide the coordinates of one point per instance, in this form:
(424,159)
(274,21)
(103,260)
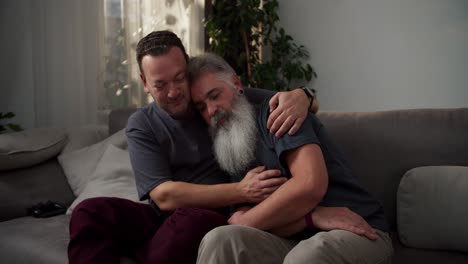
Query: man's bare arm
(295,198)
(257,185)
(329,218)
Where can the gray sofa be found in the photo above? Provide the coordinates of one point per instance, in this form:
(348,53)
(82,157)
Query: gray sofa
(381,146)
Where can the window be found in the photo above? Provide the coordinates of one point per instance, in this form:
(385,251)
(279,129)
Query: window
(125,23)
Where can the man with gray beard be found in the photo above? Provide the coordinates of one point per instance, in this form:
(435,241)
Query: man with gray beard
(234,142)
(280,229)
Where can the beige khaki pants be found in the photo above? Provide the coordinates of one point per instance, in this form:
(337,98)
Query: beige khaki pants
(245,245)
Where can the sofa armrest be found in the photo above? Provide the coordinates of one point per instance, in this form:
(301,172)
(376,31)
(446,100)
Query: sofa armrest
(22,188)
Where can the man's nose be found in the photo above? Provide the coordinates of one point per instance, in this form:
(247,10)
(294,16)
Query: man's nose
(174,91)
(212,110)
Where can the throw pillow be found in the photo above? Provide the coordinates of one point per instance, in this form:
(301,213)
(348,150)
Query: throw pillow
(113,177)
(30,147)
(80,164)
(431,209)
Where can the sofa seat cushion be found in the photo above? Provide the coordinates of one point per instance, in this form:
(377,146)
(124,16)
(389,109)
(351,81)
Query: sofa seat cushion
(406,255)
(35,240)
(30,147)
(431,208)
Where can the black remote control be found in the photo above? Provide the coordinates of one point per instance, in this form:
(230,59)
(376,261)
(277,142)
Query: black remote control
(48,209)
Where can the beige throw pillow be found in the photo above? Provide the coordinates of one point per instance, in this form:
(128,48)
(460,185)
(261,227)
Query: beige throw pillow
(79,165)
(113,177)
(30,147)
(431,208)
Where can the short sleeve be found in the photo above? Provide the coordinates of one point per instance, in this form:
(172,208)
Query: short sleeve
(149,162)
(307,134)
(257,96)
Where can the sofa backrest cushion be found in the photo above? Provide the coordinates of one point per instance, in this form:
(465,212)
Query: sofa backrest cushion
(382,146)
(83,136)
(23,188)
(118,119)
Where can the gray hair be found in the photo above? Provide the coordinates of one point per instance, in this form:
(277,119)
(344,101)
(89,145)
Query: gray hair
(209,63)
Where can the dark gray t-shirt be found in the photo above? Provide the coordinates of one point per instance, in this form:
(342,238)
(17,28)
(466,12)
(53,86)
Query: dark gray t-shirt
(166,149)
(344,188)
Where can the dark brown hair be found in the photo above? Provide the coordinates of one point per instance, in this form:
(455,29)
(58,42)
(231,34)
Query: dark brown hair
(158,43)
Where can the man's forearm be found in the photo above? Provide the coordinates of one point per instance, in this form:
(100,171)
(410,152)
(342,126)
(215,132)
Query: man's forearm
(257,184)
(290,202)
(171,195)
(294,199)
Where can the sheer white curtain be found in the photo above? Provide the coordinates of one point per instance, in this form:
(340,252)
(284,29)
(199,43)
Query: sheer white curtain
(51,61)
(66,61)
(55,66)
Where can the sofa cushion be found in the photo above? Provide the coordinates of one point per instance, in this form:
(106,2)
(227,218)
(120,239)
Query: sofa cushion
(408,255)
(35,240)
(83,136)
(431,209)
(22,188)
(80,164)
(113,177)
(29,147)
(118,119)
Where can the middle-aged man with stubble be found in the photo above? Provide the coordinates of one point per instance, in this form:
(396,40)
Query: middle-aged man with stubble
(175,170)
(280,228)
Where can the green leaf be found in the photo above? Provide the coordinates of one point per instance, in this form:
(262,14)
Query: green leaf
(307,74)
(226,26)
(14,127)
(9,115)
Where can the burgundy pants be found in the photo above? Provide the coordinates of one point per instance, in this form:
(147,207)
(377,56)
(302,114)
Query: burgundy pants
(103,229)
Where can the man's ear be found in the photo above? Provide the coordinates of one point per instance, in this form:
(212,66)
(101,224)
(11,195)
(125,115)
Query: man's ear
(143,80)
(237,82)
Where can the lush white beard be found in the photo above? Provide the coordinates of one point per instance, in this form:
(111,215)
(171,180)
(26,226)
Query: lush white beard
(234,142)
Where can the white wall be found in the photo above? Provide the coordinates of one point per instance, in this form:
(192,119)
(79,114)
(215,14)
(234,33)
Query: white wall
(383,54)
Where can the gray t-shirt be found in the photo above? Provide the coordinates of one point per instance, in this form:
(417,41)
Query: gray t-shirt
(166,149)
(344,188)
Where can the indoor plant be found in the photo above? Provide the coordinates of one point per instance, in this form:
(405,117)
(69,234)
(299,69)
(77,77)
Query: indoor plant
(9,127)
(243,31)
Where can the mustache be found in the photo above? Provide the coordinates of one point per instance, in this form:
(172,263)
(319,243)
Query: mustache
(222,114)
